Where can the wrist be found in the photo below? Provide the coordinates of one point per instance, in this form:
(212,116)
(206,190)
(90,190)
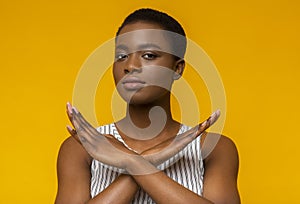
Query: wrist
(137,165)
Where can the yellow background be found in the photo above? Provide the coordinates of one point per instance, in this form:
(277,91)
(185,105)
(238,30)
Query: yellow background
(255,45)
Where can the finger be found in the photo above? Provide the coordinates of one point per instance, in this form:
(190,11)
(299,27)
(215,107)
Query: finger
(82,133)
(213,118)
(71,130)
(209,122)
(90,147)
(109,136)
(180,141)
(69,107)
(86,133)
(83,122)
(73,133)
(176,138)
(173,141)
(199,129)
(69,112)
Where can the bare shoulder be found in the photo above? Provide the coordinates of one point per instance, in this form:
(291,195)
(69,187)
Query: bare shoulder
(221,163)
(72,149)
(215,146)
(73,172)
(72,155)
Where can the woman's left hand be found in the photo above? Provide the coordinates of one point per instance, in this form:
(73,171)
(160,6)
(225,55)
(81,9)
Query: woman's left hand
(177,143)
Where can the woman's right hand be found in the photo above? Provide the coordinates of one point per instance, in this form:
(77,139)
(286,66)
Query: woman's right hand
(102,147)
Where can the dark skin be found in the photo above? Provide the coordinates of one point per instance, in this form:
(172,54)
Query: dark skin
(221,165)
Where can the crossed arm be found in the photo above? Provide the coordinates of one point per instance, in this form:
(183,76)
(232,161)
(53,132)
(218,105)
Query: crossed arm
(220,177)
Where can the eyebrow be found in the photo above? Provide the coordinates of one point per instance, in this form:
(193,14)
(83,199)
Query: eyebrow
(122,47)
(140,47)
(149,45)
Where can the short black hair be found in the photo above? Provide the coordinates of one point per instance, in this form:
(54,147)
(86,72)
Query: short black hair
(165,21)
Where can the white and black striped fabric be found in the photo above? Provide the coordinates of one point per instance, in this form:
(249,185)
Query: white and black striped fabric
(186,168)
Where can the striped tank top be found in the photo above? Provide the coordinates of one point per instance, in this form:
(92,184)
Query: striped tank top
(186,168)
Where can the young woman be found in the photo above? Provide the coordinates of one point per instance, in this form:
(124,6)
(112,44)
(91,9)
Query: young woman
(147,157)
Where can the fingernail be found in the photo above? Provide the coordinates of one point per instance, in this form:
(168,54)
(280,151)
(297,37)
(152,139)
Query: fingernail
(75,110)
(69,128)
(218,112)
(69,107)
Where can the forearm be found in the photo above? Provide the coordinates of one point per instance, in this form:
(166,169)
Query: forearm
(121,191)
(160,187)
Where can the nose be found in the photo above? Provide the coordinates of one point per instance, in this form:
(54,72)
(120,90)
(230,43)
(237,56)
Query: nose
(133,63)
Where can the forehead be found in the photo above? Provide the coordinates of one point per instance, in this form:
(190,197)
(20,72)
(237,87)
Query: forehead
(138,36)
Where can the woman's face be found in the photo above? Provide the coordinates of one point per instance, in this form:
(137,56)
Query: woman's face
(143,69)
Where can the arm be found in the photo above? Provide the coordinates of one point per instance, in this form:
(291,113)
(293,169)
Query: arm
(73,169)
(122,190)
(74,181)
(221,170)
(106,149)
(159,186)
(163,189)
(220,178)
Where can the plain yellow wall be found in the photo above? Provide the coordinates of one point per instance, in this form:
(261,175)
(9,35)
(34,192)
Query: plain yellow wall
(255,45)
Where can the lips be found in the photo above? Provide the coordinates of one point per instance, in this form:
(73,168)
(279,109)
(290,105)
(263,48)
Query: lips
(133,83)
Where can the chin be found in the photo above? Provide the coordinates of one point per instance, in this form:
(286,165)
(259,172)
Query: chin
(138,100)
(145,96)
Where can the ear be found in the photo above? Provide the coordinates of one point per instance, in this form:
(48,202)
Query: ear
(179,67)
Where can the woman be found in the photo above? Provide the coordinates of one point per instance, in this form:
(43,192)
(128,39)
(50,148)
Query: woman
(147,157)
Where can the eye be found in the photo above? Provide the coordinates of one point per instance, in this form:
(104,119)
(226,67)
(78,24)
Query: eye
(149,56)
(120,56)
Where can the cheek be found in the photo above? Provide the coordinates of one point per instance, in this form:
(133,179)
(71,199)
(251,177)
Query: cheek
(161,77)
(117,74)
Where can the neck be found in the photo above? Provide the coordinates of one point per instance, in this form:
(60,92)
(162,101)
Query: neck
(143,116)
(147,121)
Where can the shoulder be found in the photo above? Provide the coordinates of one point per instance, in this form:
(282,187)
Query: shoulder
(216,145)
(72,155)
(221,164)
(71,148)
(73,171)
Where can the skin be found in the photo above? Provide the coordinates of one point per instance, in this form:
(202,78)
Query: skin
(77,152)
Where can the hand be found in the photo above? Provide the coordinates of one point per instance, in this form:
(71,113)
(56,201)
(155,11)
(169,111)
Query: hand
(178,142)
(72,131)
(102,147)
